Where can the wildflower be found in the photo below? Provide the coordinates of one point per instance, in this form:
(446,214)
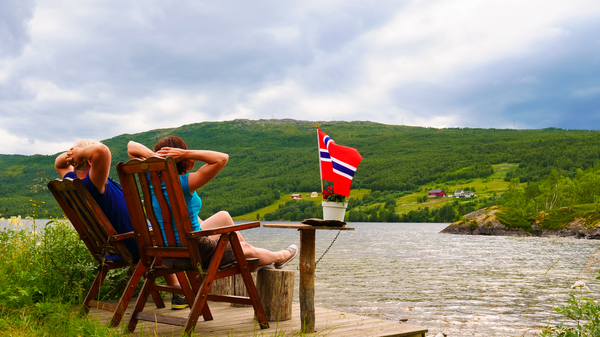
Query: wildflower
(580,284)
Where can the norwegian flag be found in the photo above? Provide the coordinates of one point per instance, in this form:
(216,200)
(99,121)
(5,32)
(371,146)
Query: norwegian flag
(338,163)
(324,157)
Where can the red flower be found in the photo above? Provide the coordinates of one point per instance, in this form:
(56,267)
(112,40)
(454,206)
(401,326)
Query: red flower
(330,196)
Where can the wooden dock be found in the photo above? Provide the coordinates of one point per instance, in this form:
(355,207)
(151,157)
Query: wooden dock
(239,321)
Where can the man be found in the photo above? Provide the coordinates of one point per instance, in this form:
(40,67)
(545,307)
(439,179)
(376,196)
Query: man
(89,160)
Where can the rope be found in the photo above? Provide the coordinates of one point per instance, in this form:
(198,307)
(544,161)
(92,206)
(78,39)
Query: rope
(326,250)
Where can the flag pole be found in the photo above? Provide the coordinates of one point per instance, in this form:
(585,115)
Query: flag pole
(319,152)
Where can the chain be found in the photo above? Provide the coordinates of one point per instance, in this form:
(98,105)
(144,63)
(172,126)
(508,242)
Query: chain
(326,250)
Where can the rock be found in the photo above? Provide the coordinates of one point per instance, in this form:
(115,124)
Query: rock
(484,222)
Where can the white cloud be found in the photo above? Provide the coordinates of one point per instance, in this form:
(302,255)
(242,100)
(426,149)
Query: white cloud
(557,32)
(24,142)
(48,91)
(111,68)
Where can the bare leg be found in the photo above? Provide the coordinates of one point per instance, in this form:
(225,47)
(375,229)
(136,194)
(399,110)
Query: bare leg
(220,219)
(265,256)
(172,280)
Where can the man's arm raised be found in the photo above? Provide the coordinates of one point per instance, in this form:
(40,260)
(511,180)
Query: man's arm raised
(99,158)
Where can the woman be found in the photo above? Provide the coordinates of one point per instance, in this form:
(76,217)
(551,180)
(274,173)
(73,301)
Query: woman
(191,181)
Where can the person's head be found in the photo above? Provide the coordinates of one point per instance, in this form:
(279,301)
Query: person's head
(83,143)
(176,142)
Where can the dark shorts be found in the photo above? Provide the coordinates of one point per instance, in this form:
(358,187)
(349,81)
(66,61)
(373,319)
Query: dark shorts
(207,249)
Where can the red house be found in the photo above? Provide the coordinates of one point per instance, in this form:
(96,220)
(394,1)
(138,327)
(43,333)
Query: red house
(437,193)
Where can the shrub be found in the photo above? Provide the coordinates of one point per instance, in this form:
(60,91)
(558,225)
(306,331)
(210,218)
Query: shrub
(48,263)
(583,314)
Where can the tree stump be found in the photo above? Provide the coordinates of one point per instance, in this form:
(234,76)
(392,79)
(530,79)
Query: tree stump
(239,288)
(232,285)
(222,286)
(276,292)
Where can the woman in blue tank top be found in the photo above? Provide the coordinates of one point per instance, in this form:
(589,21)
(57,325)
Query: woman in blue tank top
(191,181)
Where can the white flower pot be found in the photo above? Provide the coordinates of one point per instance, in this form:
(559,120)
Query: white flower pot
(334,210)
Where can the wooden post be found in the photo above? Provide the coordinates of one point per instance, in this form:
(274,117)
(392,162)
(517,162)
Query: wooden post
(307,280)
(276,292)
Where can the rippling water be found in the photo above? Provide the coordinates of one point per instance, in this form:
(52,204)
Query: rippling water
(460,285)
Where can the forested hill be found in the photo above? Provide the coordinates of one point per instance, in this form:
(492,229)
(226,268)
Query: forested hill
(272,156)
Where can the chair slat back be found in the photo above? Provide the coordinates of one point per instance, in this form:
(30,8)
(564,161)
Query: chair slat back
(87,218)
(138,179)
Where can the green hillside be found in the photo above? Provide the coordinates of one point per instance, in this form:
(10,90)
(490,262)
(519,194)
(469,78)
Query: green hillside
(271,158)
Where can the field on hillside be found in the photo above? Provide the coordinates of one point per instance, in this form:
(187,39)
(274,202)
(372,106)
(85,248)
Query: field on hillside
(484,187)
(358,194)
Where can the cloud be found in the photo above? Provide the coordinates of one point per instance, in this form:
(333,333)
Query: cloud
(14,16)
(99,69)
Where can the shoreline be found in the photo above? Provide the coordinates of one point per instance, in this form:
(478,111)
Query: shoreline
(484,222)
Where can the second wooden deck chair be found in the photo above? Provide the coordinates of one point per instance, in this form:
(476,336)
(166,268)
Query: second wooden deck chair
(138,179)
(101,239)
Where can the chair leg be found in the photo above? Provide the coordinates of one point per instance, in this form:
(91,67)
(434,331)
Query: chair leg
(128,294)
(206,313)
(248,281)
(158,301)
(141,301)
(95,289)
(202,295)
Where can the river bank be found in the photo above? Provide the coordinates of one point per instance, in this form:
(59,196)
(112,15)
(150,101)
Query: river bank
(485,222)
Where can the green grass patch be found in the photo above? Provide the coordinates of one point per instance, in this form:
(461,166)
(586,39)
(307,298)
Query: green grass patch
(514,220)
(559,218)
(12,170)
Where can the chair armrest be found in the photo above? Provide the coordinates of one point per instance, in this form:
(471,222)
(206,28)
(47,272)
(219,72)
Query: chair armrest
(222,230)
(120,237)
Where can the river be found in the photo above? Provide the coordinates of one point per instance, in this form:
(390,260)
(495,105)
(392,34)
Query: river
(460,285)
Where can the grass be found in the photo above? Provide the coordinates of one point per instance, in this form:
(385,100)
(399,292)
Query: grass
(558,218)
(357,193)
(484,187)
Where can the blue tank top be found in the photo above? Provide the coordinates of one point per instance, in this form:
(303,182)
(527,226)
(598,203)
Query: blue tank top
(193,201)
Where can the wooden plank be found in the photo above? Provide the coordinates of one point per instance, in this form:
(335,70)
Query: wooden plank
(303,226)
(232,321)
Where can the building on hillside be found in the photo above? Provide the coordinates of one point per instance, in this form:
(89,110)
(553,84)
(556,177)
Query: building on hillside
(463,194)
(314,195)
(437,193)
(297,196)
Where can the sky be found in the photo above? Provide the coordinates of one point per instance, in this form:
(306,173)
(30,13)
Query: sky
(102,68)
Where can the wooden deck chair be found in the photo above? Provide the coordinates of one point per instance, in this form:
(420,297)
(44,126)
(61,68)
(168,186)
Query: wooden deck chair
(137,179)
(101,239)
